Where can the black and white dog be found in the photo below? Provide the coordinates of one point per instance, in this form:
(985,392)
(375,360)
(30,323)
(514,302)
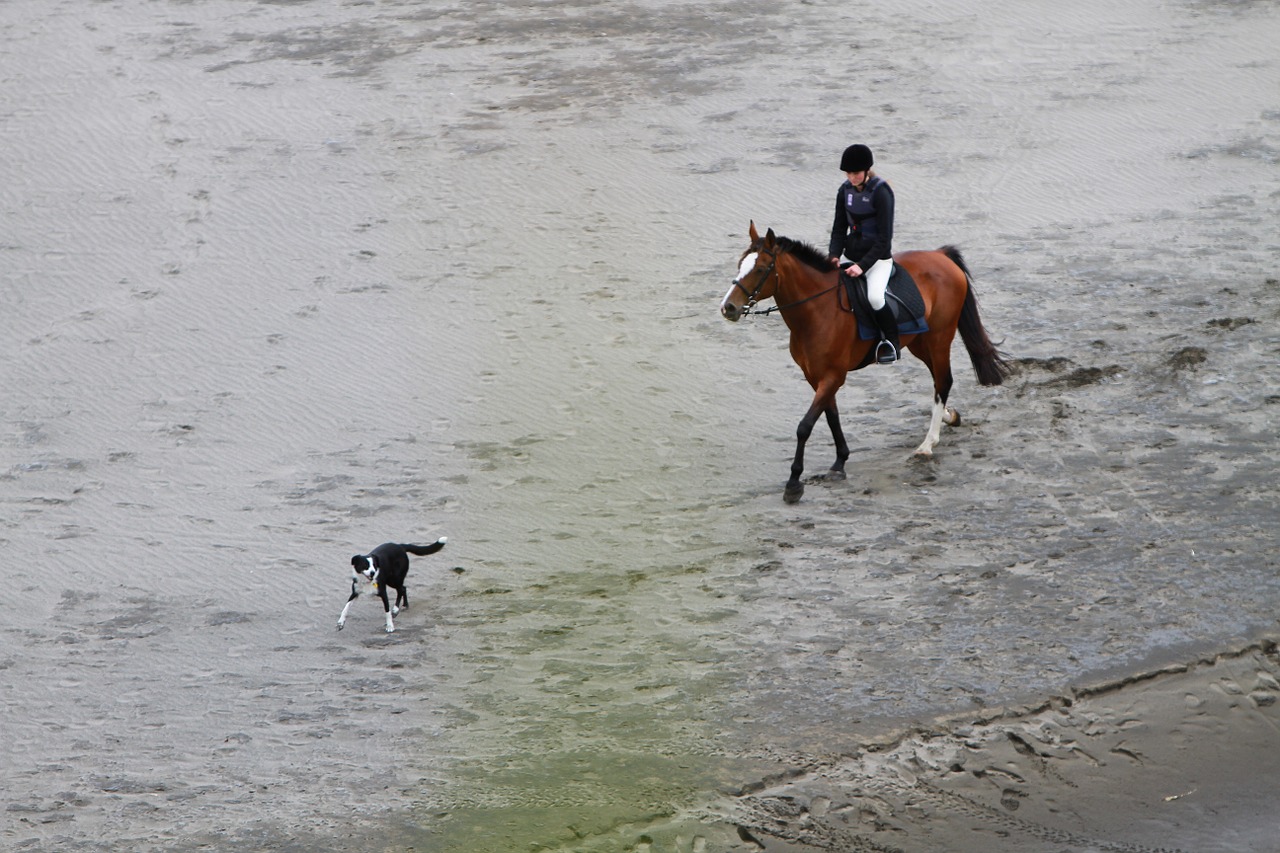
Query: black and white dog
(385,566)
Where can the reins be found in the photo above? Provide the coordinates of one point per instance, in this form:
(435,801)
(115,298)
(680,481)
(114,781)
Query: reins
(775,307)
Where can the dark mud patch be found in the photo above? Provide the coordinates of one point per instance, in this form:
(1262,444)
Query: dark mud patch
(1027,366)
(1083,376)
(130,785)
(139,623)
(1063,372)
(227,617)
(1230,324)
(1187,358)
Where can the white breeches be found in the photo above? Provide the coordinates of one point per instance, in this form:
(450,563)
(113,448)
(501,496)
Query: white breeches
(877,281)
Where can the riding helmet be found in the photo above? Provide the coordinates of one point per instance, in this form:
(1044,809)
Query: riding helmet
(857,158)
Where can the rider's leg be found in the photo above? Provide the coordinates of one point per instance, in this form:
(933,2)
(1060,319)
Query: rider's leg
(877,281)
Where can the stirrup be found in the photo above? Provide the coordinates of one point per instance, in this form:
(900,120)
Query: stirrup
(889,357)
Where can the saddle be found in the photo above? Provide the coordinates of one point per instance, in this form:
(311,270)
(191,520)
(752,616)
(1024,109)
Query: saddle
(901,295)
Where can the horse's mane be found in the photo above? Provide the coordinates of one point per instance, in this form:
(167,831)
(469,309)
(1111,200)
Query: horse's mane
(806,253)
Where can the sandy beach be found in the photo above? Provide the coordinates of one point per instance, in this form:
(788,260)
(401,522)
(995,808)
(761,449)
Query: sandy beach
(281,281)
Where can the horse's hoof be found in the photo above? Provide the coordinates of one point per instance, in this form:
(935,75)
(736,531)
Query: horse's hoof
(951,417)
(793,494)
(922,455)
(836,475)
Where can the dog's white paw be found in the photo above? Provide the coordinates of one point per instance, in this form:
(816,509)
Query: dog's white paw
(391,629)
(340,624)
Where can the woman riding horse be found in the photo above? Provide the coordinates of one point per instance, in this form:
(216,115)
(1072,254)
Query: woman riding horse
(863,231)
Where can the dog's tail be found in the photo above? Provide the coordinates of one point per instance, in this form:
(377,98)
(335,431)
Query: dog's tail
(423,550)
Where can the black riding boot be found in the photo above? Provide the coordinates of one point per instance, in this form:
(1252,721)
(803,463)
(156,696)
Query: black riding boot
(887,348)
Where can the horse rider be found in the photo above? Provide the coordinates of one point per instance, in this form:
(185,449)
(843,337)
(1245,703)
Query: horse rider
(863,232)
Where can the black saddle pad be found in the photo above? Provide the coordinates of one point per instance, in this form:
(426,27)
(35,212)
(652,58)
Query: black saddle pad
(901,295)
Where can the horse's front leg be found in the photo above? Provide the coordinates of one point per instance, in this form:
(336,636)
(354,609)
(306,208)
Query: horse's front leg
(842,446)
(795,489)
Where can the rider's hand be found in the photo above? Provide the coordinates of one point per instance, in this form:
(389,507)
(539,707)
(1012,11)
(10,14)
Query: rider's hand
(854,271)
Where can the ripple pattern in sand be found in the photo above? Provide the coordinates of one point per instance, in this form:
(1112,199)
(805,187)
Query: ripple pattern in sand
(300,279)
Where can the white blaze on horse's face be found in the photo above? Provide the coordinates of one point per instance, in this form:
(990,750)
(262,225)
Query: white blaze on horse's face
(730,310)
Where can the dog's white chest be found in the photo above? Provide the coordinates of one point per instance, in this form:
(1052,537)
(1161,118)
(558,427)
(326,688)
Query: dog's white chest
(362,584)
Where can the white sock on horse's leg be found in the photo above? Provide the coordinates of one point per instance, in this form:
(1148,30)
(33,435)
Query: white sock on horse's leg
(935,430)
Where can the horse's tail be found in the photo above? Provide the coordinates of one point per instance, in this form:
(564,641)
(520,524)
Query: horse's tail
(988,362)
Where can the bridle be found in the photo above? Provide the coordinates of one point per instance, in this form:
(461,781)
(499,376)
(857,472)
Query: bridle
(754,295)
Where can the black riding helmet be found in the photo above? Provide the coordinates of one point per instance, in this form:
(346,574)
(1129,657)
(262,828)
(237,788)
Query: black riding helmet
(857,158)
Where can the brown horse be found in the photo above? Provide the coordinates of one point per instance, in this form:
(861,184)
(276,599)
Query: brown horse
(805,287)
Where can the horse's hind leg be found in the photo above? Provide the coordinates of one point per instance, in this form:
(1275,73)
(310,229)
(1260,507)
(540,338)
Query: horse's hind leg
(940,367)
(925,450)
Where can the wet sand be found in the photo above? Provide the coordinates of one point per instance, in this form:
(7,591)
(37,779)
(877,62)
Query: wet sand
(284,280)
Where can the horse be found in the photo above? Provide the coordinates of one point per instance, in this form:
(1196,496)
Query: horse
(805,286)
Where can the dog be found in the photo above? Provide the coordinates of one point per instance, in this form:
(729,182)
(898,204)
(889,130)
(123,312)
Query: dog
(385,566)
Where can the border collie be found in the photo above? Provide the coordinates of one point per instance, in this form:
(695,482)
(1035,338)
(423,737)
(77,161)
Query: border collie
(385,566)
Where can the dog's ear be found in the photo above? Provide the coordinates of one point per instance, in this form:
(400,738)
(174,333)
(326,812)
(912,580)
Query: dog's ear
(356,560)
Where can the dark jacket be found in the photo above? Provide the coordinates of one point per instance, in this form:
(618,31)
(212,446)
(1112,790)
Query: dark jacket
(863,227)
